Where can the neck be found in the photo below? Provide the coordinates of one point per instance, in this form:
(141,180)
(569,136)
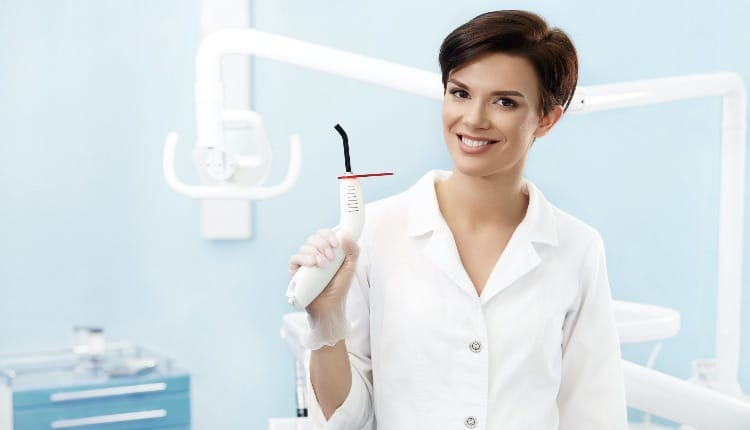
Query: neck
(475,203)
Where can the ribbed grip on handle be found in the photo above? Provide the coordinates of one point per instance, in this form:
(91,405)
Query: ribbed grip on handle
(352,207)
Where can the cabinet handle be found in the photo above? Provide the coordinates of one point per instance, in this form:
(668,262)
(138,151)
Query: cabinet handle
(108,392)
(109,419)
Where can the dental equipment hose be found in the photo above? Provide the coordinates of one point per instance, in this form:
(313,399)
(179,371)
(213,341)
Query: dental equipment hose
(310,281)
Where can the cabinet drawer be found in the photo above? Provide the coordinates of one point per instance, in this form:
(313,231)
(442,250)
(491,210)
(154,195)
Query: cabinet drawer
(140,388)
(127,414)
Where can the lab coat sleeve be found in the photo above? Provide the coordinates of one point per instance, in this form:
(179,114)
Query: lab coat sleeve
(592,392)
(356,413)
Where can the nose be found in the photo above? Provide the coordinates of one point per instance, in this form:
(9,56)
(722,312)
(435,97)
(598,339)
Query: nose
(475,116)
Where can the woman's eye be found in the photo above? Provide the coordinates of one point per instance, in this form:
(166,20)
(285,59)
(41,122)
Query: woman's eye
(506,102)
(461,94)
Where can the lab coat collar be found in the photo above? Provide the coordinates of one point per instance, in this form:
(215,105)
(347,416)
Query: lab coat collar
(424,215)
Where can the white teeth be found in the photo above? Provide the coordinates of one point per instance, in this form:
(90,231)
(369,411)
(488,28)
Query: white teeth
(473,143)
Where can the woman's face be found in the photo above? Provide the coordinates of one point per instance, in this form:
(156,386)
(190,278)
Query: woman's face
(492,113)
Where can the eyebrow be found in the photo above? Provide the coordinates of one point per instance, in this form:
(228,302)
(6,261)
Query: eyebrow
(494,93)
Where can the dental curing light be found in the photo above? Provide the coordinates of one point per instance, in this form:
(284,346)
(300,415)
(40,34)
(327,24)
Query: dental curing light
(310,281)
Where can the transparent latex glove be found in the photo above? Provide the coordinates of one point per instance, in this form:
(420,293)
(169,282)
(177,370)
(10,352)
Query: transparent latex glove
(326,314)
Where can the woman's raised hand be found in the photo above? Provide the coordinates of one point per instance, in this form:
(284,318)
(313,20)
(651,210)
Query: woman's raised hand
(318,251)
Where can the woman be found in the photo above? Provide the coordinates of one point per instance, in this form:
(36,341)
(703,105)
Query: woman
(471,301)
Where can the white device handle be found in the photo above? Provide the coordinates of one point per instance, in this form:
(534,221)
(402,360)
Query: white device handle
(310,281)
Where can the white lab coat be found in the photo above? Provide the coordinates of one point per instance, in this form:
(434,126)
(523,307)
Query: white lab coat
(537,349)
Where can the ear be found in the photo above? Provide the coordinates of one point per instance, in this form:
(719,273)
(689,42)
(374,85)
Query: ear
(548,121)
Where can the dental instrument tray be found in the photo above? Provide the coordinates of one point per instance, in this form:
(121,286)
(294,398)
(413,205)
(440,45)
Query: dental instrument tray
(124,387)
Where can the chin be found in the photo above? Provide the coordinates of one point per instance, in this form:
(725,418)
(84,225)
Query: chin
(474,170)
(486,168)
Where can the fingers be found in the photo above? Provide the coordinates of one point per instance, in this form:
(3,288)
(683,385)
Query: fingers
(317,251)
(301,259)
(323,241)
(329,235)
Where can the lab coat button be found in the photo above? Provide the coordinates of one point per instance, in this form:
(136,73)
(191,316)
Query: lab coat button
(475,346)
(470,422)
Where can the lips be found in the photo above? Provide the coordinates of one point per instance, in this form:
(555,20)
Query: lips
(473,141)
(473,144)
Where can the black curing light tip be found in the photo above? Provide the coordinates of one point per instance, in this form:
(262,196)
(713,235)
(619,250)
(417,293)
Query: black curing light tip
(345,138)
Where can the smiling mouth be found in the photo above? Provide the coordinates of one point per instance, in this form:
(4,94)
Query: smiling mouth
(475,142)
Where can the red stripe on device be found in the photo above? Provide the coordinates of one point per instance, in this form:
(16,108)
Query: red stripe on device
(364,175)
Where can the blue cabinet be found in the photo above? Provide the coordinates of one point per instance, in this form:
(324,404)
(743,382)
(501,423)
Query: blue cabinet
(66,397)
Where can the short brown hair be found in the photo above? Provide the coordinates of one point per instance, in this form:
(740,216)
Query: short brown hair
(522,34)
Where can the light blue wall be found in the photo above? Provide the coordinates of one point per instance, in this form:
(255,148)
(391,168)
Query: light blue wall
(89,232)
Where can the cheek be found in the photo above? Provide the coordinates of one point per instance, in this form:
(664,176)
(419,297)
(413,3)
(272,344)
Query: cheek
(514,125)
(448,115)
(528,125)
